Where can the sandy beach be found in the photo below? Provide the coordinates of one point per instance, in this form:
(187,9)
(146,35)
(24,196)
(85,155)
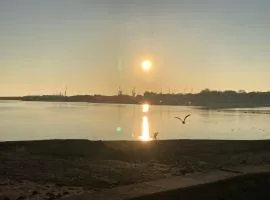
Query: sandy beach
(55,169)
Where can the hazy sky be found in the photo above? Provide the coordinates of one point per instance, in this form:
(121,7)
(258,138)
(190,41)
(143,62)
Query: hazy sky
(93,46)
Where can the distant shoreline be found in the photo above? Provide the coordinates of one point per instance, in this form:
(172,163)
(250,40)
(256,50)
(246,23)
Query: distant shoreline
(212,107)
(206,99)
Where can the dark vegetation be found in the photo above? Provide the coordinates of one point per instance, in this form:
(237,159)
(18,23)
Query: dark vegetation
(212,99)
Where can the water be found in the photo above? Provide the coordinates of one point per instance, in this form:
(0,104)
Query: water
(46,120)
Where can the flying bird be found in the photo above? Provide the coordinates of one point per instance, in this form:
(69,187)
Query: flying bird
(183,121)
(155,135)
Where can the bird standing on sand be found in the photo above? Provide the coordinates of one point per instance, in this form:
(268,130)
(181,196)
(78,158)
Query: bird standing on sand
(183,121)
(155,135)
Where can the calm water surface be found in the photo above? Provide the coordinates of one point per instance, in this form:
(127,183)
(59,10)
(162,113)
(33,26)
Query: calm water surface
(46,120)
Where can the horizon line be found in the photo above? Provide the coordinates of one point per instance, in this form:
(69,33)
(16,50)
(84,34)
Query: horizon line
(172,93)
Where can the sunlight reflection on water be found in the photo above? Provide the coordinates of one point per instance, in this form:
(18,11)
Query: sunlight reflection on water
(145,108)
(145,135)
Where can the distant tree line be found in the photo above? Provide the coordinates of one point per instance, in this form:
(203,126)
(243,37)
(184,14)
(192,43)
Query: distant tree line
(212,98)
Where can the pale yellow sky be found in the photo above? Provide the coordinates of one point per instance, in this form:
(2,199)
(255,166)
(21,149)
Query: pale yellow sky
(96,47)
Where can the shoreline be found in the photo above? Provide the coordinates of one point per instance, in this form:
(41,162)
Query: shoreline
(212,106)
(76,166)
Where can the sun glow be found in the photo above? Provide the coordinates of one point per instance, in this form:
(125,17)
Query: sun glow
(145,108)
(146,65)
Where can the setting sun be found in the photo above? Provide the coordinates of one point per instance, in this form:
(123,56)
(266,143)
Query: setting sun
(146,65)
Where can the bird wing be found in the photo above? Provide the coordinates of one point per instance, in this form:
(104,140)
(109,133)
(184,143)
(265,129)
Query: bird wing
(186,117)
(179,119)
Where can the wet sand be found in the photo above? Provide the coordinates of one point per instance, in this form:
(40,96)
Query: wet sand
(56,169)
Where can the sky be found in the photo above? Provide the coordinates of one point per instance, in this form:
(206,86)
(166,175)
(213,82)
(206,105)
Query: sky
(95,46)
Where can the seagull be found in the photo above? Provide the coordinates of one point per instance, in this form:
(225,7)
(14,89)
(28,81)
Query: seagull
(155,135)
(183,121)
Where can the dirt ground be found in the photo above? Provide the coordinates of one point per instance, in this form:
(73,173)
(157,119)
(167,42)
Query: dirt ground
(56,169)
